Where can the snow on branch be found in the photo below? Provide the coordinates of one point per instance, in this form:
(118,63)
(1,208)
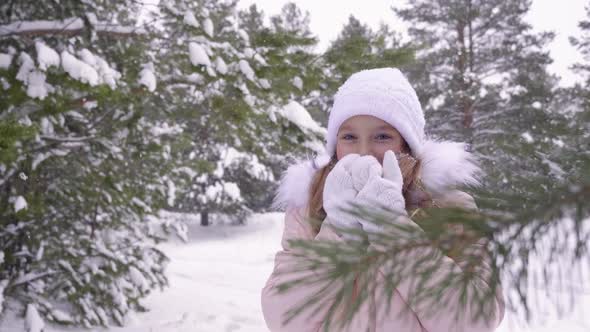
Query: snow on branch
(70,26)
(41,26)
(67,139)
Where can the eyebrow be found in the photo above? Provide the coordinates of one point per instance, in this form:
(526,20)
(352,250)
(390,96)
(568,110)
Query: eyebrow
(385,127)
(382,127)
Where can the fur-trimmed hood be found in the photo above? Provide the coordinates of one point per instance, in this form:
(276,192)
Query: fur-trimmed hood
(445,166)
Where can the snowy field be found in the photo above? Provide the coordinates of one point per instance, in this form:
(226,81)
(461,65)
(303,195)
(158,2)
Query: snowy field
(215,283)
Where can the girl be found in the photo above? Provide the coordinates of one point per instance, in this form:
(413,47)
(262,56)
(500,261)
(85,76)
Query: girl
(376,116)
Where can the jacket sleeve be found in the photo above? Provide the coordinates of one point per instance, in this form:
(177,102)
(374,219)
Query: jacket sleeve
(444,316)
(275,305)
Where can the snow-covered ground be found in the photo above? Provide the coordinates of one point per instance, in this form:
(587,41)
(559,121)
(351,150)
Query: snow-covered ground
(215,283)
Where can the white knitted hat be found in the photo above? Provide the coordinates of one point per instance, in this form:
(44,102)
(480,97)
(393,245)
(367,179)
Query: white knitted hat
(384,93)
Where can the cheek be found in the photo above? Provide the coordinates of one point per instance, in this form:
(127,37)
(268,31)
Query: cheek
(380,150)
(341,151)
(379,153)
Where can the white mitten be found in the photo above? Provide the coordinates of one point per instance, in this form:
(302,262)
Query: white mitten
(385,192)
(363,169)
(339,192)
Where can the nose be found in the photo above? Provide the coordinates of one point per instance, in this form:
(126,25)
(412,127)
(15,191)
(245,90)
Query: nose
(364,148)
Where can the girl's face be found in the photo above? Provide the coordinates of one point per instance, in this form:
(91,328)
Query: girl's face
(368,135)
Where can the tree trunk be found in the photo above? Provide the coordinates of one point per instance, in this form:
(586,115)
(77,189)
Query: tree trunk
(467,113)
(204,218)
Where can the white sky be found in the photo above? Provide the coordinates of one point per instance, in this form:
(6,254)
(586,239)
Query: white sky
(328,17)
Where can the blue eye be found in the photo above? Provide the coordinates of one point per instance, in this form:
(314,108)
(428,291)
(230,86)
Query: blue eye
(348,137)
(382,137)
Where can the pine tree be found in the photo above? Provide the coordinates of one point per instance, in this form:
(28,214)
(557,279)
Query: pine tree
(358,47)
(483,80)
(74,241)
(293,69)
(289,47)
(577,101)
(583,69)
(217,88)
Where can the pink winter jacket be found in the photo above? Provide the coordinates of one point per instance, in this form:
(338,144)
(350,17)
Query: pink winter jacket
(275,305)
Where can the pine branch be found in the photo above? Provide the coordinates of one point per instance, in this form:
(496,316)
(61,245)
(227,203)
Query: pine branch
(494,236)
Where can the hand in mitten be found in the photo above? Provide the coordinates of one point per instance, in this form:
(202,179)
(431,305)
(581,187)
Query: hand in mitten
(364,168)
(383,192)
(339,192)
